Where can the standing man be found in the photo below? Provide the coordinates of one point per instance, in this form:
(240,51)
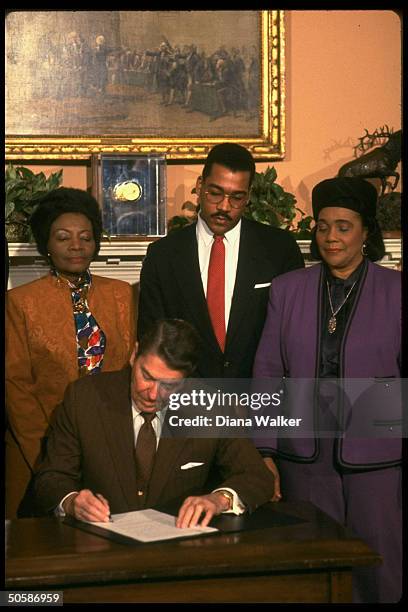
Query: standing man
(109,450)
(100,56)
(216,273)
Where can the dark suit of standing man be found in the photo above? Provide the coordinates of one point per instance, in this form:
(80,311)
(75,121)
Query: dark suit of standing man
(91,467)
(174,271)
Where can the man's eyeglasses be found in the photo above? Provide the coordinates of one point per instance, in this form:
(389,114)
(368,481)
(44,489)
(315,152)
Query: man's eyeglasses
(216,196)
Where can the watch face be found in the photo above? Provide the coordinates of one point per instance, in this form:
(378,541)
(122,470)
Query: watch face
(127,191)
(228,495)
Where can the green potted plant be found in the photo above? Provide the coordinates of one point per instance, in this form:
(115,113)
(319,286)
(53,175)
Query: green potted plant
(389,214)
(23,190)
(269,203)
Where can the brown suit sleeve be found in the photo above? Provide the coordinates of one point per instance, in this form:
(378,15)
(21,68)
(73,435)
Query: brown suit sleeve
(59,472)
(243,470)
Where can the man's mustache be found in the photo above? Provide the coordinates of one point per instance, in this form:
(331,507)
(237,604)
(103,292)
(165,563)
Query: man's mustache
(221,215)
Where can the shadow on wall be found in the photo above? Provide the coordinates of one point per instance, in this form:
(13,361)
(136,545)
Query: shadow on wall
(305,187)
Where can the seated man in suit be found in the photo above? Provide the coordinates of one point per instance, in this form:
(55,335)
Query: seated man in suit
(105,451)
(216,273)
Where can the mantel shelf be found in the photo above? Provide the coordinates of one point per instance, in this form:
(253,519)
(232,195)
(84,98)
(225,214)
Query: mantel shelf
(117,248)
(123,259)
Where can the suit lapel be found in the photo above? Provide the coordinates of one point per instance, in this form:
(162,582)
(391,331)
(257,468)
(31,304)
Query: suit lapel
(187,270)
(117,420)
(247,268)
(167,453)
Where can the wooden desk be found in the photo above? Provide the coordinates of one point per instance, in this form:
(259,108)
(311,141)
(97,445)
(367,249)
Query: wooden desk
(306,561)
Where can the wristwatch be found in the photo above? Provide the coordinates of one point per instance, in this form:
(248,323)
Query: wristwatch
(228,495)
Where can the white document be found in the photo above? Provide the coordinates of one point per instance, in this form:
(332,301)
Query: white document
(149,526)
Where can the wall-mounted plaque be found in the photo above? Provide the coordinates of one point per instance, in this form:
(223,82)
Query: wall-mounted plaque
(133,194)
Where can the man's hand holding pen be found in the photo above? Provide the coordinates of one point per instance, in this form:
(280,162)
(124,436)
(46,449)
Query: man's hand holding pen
(88,506)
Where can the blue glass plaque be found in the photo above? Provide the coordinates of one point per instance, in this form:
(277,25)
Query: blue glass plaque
(134,194)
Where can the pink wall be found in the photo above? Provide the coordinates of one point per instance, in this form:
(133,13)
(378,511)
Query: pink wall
(343,74)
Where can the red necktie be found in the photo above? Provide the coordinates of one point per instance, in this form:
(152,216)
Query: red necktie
(216,289)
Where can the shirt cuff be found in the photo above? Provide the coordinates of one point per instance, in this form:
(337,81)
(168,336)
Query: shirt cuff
(237,505)
(59,510)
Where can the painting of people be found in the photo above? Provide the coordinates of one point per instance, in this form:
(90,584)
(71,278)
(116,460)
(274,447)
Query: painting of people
(166,74)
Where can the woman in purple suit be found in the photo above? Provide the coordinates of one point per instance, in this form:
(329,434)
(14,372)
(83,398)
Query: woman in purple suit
(341,319)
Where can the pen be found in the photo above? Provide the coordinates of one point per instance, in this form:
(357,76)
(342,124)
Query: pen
(102,499)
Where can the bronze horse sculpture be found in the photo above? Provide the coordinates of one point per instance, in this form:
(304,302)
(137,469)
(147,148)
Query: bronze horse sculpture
(380,162)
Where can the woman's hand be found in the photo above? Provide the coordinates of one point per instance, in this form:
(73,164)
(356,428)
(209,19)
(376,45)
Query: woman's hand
(271,465)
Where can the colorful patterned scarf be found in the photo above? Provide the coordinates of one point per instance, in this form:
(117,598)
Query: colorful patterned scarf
(91,340)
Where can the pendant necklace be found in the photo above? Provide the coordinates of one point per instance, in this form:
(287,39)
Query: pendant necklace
(332,321)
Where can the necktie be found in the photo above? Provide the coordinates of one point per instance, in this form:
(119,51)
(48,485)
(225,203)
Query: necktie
(145,453)
(216,289)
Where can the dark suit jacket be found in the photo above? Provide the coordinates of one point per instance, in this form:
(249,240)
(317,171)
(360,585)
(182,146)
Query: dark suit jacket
(91,445)
(171,286)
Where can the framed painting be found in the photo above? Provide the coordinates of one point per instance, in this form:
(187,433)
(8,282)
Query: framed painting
(137,82)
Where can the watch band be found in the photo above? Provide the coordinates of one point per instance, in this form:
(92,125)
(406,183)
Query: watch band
(228,495)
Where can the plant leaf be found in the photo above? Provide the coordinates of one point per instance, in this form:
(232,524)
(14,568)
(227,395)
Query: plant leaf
(23,188)
(11,173)
(9,209)
(26,173)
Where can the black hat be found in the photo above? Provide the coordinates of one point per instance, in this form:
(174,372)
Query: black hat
(347,192)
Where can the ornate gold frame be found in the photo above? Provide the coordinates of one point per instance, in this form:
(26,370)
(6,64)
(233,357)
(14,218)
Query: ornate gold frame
(268,144)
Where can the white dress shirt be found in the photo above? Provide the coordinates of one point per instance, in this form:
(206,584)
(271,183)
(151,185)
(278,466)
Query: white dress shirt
(205,239)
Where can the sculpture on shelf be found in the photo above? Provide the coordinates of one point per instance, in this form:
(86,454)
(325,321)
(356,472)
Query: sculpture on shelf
(380,162)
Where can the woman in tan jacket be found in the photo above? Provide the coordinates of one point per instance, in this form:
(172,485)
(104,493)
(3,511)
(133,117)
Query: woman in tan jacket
(60,327)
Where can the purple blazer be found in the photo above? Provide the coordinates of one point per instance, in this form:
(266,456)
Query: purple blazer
(371,346)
